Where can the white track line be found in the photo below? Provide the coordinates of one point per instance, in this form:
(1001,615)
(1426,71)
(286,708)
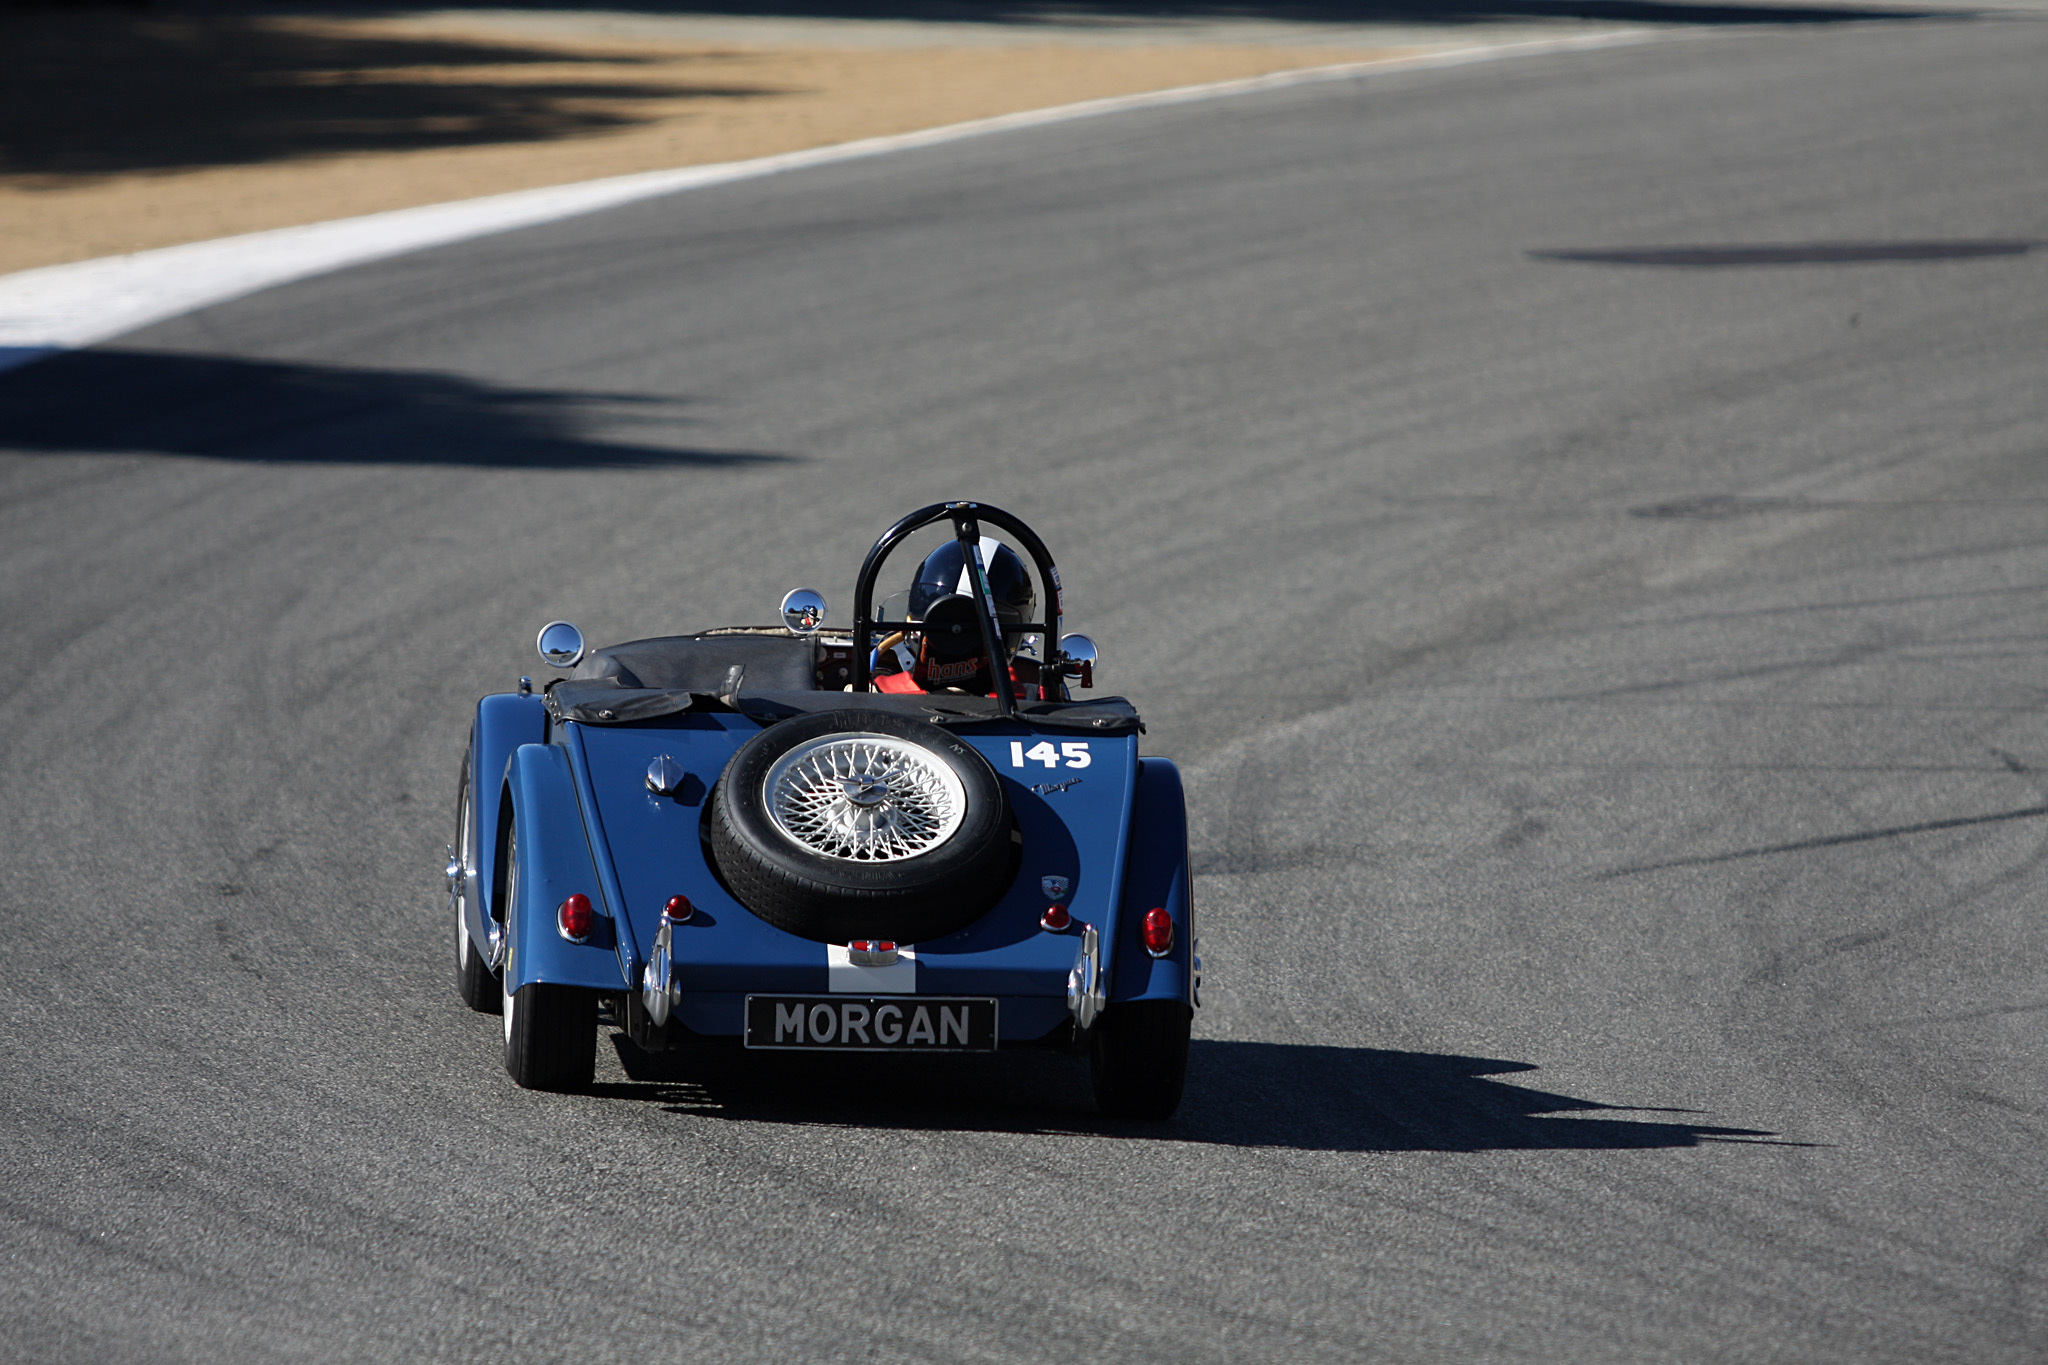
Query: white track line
(62,307)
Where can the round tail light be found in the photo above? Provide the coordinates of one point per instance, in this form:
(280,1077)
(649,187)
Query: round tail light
(678,909)
(1055,918)
(1157,932)
(576,917)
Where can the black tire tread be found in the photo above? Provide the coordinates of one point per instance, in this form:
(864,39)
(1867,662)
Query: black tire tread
(1139,1058)
(475,982)
(836,914)
(553,1040)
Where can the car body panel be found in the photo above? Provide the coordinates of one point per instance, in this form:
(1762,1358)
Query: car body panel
(503,722)
(1157,876)
(644,848)
(1072,823)
(657,851)
(556,860)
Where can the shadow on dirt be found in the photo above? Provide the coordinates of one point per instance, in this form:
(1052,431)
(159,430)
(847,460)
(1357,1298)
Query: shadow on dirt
(1111,13)
(223,408)
(1313,1098)
(105,91)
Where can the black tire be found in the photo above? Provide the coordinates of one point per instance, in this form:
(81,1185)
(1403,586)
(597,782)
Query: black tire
(551,1036)
(550,1031)
(474,980)
(1139,1058)
(836,900)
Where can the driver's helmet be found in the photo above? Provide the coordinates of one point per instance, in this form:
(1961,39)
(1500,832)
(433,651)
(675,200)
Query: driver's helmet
(944,599)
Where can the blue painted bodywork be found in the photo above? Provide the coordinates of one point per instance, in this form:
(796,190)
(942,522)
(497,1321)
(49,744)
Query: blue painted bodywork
(1109,823)
(1157,876)
(504,721)
(555,862)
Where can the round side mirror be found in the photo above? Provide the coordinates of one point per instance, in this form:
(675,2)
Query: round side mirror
(560,645)
(803,611)
(1077,658)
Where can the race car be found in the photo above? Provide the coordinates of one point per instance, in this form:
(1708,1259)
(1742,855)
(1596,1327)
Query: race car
(903,837)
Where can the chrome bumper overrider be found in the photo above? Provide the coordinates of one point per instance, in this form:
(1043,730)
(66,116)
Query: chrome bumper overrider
(1087,984)
(658,990)
(1086,990)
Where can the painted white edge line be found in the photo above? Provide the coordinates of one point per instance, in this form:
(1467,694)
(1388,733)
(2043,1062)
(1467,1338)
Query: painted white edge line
(62,307)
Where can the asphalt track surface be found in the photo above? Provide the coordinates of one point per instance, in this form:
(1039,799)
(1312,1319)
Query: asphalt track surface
(1610,683)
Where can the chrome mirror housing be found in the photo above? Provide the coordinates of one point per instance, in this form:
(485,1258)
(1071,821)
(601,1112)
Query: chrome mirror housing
(1077,658)
(560,645)
(803,611)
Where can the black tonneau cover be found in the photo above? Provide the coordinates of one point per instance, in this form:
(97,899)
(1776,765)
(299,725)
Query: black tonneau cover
(604,702)
(779,676)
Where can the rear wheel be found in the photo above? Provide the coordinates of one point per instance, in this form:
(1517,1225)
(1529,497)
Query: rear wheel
(1139,1058)
(550,1031)
(551,1036)
(474,979)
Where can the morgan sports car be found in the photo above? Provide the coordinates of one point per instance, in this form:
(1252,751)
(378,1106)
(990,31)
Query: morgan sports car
(906,837)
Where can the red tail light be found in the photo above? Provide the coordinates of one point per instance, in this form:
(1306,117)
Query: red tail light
(576,917)
(1055,918)
(678,909)
(1157,932)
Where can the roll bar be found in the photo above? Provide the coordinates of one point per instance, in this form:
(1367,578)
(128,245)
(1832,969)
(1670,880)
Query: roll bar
(966,518)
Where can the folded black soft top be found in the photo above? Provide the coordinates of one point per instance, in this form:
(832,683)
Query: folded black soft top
(769,674)
(603,702)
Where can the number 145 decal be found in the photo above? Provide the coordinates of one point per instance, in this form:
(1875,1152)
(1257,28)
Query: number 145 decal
(1073,753)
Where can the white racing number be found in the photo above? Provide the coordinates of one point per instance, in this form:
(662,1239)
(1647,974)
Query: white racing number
(1073,754)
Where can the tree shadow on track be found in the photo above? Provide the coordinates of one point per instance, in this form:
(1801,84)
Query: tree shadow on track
(224,408)
(94,90)
(1313,1098)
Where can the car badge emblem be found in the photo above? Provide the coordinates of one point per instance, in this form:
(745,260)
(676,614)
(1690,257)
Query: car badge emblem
(1055,888)
(871,952)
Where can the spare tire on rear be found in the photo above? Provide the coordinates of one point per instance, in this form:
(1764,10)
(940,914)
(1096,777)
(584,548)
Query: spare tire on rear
(849,825)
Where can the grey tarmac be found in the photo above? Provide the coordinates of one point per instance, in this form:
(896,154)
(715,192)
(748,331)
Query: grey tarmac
(1581,524)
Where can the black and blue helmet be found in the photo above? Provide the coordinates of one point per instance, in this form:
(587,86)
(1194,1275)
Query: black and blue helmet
(946,573)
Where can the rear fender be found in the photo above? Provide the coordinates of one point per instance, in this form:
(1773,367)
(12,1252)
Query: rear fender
(1155,874)
(504,721)
(554,863)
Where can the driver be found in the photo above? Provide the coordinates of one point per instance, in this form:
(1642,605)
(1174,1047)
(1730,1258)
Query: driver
(946,652)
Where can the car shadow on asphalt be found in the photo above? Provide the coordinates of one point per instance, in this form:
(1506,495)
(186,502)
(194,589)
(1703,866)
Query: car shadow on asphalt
(132,402)
(1242,1094)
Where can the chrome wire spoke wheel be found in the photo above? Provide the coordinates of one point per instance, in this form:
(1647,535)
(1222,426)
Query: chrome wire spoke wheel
(867,798)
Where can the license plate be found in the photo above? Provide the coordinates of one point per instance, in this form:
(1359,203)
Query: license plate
(877,1023)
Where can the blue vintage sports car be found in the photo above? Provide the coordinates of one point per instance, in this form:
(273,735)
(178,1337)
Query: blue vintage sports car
(906,837)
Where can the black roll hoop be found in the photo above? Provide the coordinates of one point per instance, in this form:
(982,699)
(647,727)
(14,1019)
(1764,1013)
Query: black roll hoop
(966,518)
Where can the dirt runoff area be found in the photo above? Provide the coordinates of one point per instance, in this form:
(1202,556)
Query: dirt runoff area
(123,129)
